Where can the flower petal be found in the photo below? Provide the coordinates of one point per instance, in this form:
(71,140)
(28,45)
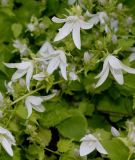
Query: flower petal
(7,146)
(39,108)
(87,147)
(29,107)
(64,31)
(85,25)
(76,35)
(114,62)
(18,74)
(94,20)
(39,76)
(103,77)
(29,75)
(53,65)
(115,132)
(128,69)
(105,66)
(63,70)
(100,148)
(58,20)
(46,48)
(48,97)
(118,75)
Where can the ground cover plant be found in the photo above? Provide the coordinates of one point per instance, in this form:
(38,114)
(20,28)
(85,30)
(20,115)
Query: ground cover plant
(67,80)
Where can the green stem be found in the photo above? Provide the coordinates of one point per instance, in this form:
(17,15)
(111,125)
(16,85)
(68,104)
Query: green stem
(130,155)
(55,152)
(26,95)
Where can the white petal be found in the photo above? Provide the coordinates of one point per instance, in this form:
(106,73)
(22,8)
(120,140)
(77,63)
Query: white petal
(39,76)
(86,148)
(128,69)
(132,57)
(76,35)
(105,66)
(7,134)
(93,21)
(48,97)
(53,65)
(29,107)
(18,74)
(100,148)
(114,62)
(46,48)
(21,66)
(63,70)
(85,25)
(89,137)
(103,78)
(58,20)
(115,132)
(39,108)
(7,146)
(28,76)
(64,31)
(118,75)
(34,100)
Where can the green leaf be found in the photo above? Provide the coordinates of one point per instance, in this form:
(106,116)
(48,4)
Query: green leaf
(64,145)
(116,149)
(75,127)
(118,107)
(55,113)
(43,137)
(17,29)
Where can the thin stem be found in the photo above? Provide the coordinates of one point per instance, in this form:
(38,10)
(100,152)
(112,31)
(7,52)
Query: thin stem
(55,152)
(32,92)
(130,155)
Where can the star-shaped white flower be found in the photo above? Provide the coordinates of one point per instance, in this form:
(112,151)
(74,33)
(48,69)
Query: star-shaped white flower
(52,59)
(7,140)
(35,102)
(72,24)
(25,67)
(113,64)
(89,144)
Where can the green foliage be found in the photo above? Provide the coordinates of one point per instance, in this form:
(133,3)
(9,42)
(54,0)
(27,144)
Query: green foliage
(74,127)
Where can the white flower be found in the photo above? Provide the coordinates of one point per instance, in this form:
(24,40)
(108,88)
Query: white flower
(25,67)
(7,140)
(59,60)
(98,17)
(72,24)
(115,132)
(31,27)
(87,56)
(111,63)
(52,59)
(45,50)
(9,87)
(22,47)
(89,144)
(35,102)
